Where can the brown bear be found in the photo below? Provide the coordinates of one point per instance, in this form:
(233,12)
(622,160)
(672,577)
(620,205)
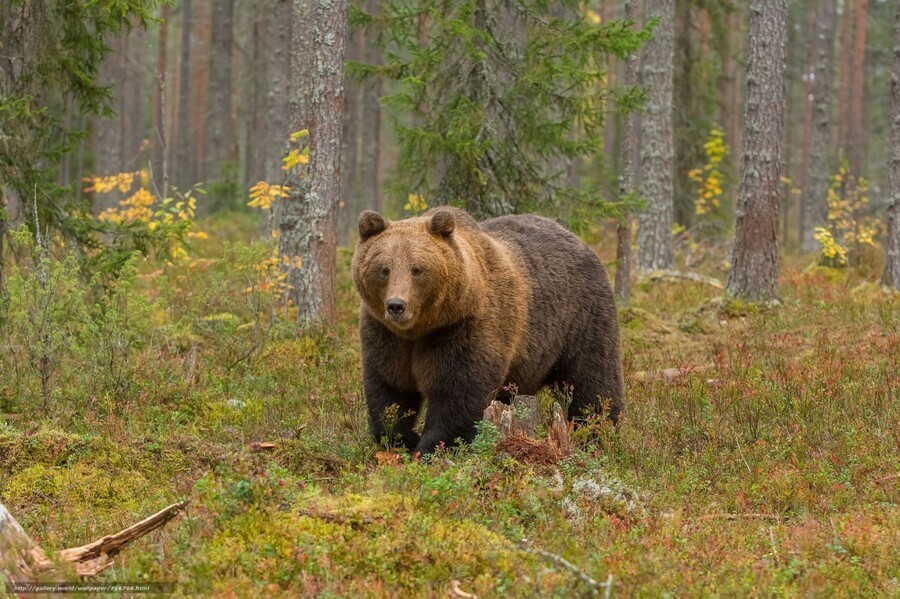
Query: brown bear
(453,310)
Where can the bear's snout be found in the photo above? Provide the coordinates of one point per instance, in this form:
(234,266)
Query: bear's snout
(396,307)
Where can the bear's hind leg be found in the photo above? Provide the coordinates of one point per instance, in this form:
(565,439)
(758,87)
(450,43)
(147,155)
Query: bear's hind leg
(595,374)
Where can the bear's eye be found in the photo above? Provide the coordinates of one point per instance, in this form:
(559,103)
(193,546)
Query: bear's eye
(416,271)
(385,271)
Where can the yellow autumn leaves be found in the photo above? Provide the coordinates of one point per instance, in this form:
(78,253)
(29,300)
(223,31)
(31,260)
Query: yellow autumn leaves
(709,178)
(848,227)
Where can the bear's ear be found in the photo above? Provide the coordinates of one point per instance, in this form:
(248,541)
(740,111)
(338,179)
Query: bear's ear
(442,223)
(370,223)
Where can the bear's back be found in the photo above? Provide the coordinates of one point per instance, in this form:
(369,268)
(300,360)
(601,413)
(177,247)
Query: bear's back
(569,290)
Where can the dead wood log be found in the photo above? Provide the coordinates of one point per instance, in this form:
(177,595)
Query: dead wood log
(675,275)
(21,559)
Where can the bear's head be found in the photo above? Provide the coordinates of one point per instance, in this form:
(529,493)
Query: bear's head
(412,274)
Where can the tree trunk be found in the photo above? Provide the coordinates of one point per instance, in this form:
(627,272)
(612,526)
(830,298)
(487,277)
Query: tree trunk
(183,158)
(806,132)
(732,87)
(754,264)
(108,130)
(200,73)
(252,85)
(655,232)
(349,200)
(132,103)
(220,125)
(855,137)
(845,75)
(309,222)
(158,135)
(370,163)
(891,276)
(628,176)
(815,204)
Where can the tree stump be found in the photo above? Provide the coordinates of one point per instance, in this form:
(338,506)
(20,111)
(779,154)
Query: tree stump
(516,424)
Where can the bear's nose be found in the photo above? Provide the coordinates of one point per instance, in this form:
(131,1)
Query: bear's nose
(396,307)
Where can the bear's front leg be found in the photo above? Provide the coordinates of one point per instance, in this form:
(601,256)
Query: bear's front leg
(458,379)
(380,396)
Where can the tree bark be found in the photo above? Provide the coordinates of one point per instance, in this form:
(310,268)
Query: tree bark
(845,74)
(809,67)
(183,158)
(309,221)
(891,276)
(255,91)
(220,126)
(754,264)
(855,137)
(108,140)
(350,158)
(158,135)
(732,88)
(821,147)
(628,176)
(370,166)
(655,232)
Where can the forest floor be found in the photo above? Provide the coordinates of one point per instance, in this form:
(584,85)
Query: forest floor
(767,465)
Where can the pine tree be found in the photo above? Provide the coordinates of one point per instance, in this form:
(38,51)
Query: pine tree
(309,215)
(754,265)
(654,247)
(491,97)
(821,147)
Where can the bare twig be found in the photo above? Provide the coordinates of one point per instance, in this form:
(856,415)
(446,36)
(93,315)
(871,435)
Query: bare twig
(455,591)
(562,562)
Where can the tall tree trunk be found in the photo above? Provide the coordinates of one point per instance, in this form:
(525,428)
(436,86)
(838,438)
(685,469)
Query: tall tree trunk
(108,130)
(732,88)
(158,138)
(220,126)
(278,117)
(891,276)
(349,200)
(821,153)
(183,156)
(370,162)
(845,74)
(309,223)
(255,141)
(200,73)
(655,232)
(628,176)
(855,137)
(754,264)
(806,132)
(132,86)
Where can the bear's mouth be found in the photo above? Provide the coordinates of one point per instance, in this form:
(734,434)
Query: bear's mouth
(401,321)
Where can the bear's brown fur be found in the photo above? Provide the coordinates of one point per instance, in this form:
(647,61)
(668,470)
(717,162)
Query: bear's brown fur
(453,310)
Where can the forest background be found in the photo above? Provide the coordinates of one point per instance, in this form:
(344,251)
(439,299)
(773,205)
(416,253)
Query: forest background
(155,350)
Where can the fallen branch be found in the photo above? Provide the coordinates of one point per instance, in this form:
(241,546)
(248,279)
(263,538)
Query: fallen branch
(675,275)
(566,564)
(22,559)
(667,374)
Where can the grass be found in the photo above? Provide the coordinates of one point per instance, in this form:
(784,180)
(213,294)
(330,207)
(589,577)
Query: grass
(767,467)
